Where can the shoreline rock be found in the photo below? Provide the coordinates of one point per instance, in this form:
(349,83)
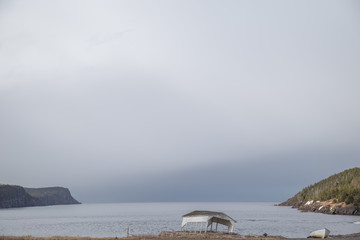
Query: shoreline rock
(331,206)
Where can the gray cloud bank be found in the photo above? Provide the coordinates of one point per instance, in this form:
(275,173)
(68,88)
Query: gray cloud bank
(178,101)
(275,180)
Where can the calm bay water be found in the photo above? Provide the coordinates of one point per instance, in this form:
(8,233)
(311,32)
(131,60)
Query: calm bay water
(107,220)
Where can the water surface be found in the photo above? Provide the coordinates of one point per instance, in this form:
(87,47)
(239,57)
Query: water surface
(110,220)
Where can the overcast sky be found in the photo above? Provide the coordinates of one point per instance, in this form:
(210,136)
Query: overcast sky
(178,100)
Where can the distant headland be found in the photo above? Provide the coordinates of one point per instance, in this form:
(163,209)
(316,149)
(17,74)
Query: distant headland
(337,194)
(13,196)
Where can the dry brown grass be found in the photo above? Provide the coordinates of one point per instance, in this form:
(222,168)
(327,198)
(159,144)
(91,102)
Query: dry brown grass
(180,235)
(51,238)
(213,235)
(164,235)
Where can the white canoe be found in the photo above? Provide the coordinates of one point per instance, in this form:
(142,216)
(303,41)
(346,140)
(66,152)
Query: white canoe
(322,233)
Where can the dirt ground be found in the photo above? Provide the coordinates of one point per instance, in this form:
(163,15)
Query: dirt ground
(184,236)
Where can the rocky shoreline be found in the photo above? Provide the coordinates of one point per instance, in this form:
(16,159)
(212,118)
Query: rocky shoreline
(331,206)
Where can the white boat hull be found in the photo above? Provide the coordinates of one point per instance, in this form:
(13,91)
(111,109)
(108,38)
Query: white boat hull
(322,233)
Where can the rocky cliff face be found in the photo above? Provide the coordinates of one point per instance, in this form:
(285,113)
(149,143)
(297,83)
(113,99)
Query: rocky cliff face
(12,196)
(51,195)
(327,207)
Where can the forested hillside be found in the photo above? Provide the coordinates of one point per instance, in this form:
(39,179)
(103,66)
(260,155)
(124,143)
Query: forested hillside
(344,187)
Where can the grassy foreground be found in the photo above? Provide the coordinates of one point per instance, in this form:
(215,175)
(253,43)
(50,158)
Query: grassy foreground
(183,236)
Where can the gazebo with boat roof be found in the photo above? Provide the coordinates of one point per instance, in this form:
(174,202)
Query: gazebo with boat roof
(206,218)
